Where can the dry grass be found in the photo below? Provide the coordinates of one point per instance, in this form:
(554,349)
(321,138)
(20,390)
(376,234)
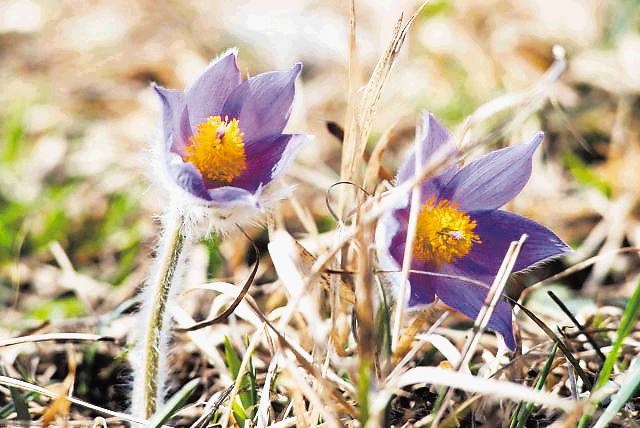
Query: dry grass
(317,340)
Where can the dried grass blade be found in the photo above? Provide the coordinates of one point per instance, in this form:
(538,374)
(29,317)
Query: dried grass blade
(212,407)
(227,312)
(16,383)
(322,407)
(368,104)
(408,335)
(467,382)
(575,268)
(375,169)
(492,299)
(307,261)
(577,323)
(262,414)
(482,320)
(307,363)
(57,337)
(407,258)
(567,353)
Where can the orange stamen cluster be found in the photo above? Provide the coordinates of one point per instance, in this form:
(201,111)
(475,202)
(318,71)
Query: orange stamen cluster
(217,149)
(444,232)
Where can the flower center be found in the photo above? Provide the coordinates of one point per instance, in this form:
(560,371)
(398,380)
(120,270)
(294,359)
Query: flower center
(217,149)
(444,233)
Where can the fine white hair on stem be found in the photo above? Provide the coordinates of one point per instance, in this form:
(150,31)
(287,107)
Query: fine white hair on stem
(149,358)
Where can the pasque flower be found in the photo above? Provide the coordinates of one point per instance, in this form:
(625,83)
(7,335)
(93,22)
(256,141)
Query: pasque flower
(461,235)
(223,140)
(222,147)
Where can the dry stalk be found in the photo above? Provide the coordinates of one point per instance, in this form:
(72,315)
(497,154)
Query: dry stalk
(408,335)
(15,383)
(573,269)
(56,337)
(407,259)
(484,315)
(374,165)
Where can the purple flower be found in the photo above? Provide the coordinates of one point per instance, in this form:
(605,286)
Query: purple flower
(461,231)
(223,140)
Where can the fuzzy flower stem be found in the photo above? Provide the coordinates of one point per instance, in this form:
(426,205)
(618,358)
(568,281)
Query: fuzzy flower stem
(148,380)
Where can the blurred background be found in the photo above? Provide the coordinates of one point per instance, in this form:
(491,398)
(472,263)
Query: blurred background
(77,118)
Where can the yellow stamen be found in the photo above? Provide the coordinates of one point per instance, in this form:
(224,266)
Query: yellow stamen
(444,232)
(217,149)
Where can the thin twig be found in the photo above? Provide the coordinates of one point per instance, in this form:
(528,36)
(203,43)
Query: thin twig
(57,337)
(227,312)
(580,327)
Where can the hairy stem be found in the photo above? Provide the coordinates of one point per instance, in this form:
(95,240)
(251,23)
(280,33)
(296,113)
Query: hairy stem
(151,353)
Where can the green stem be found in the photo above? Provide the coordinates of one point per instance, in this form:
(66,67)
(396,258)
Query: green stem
(155,328)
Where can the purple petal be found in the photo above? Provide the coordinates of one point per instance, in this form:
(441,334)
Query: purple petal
(494,179)
(397,244)
(497,229)
(228,197)
(394,237)
(267,159)
(422,291)
(174,119)
(423,286)
(262,103)
(467,298)
(208,93)
(187,177)
(434,135)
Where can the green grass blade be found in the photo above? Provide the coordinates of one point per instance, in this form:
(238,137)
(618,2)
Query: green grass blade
(627,389)
(173,405)
(629,318)
(514,416)
(19,400)
(6,410)
(232,358)
(241,409)
(525,412)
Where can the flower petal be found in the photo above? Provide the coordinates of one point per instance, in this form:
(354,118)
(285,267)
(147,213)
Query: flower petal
(391,234)
(423,291)
(187,177)
(467,298)
(262,103)
(232,197)
(399,238)
(494,179)
(175,121)
(266,160)
(434,136)
(497,229)
(207,94)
